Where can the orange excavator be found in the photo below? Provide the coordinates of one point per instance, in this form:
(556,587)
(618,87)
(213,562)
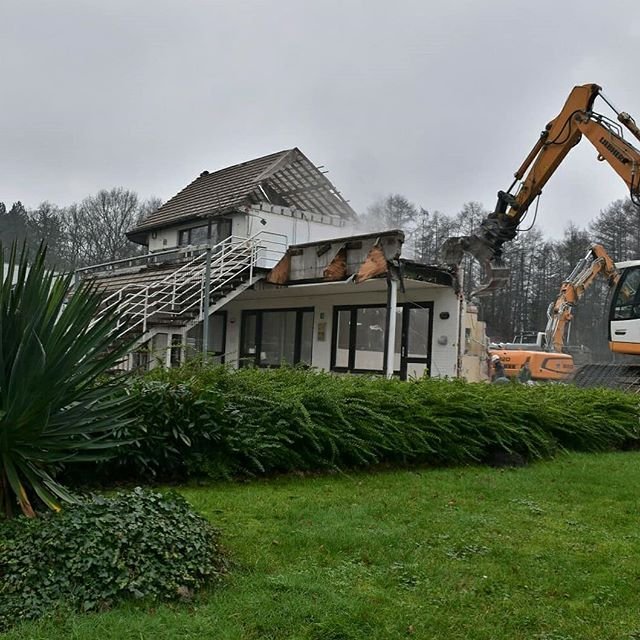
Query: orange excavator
(546,358)
(576,120)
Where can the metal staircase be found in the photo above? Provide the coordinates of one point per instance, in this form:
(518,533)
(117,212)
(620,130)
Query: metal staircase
(178,299)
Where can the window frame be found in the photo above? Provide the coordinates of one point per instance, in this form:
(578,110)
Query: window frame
(217,354)
(253,359)
(218,222)
(353,328)
(634,303)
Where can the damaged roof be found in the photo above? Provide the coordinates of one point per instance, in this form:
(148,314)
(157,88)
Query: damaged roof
(356,259)
(286,178)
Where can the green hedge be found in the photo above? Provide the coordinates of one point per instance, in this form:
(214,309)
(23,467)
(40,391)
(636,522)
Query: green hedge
(220,423)
(94,554)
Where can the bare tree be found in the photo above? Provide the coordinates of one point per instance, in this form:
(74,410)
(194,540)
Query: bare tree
(44,224)
(467,222)
(392,212)
(106,217)
(618,230)
(95,229)
(432,229)
(148,206)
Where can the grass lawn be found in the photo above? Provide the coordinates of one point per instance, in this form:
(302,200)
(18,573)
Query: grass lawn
(548,552)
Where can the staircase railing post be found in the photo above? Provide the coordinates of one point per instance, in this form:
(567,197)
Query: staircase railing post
(145,311)
(252,259)
(118,309)
(206,304)
(222,258)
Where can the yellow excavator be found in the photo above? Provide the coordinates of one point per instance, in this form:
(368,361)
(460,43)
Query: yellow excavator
(546,358)
(576,120)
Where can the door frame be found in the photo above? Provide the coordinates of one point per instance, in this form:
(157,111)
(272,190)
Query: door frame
(405,360)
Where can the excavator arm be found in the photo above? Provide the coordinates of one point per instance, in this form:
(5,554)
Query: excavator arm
(596,263)
(576,119)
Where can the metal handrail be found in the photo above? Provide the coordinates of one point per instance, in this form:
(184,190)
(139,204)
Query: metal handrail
(187,249)
(183,287)
(185,267)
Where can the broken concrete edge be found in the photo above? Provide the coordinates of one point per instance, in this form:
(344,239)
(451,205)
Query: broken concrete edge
(383,257)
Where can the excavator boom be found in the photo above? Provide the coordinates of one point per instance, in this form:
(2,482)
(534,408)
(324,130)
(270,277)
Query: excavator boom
(576,119)
(560,313)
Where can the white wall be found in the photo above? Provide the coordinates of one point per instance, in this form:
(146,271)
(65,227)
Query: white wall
(296,230)
(444,356)
(165,239)
(325,296)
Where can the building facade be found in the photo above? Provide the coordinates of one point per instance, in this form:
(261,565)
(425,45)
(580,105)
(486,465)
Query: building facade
(260,264)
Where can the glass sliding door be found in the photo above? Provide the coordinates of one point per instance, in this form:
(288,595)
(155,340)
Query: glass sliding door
(216,341)
(359,339)
(273,337)
(416,341)
(278,339)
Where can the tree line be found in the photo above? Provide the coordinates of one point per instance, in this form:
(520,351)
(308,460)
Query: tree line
(91,231)
(538,264)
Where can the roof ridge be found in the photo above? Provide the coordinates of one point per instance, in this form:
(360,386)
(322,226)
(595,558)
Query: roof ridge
(276,164)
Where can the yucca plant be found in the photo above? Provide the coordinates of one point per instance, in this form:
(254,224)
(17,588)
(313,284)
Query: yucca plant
(55,402)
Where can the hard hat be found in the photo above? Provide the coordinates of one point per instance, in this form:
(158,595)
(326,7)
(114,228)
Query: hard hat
(495,358)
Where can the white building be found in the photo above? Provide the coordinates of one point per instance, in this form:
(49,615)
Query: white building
(288,280)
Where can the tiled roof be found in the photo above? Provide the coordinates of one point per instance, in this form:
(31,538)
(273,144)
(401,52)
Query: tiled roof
(286,178)
(139,277)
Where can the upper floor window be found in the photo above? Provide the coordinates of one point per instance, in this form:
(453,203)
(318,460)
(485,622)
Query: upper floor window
(195,235)
(220,229)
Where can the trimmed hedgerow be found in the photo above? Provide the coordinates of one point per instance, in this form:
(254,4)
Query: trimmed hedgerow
(218,422)
(104,550)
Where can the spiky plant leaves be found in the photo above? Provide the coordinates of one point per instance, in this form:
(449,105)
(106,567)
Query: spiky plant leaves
(55,402)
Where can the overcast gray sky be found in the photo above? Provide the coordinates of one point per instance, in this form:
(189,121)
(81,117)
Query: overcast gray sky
(437,100)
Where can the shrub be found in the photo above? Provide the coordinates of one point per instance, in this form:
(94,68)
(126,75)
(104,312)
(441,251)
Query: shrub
(106,549)
(54,402)
(220,422)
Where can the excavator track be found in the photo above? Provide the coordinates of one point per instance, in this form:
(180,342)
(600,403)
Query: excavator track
(622,377)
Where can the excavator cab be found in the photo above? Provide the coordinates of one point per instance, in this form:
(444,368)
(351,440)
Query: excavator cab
(624,336)
(624,315)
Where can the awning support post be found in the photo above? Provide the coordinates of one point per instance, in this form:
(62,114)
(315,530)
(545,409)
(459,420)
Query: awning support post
(392,303)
